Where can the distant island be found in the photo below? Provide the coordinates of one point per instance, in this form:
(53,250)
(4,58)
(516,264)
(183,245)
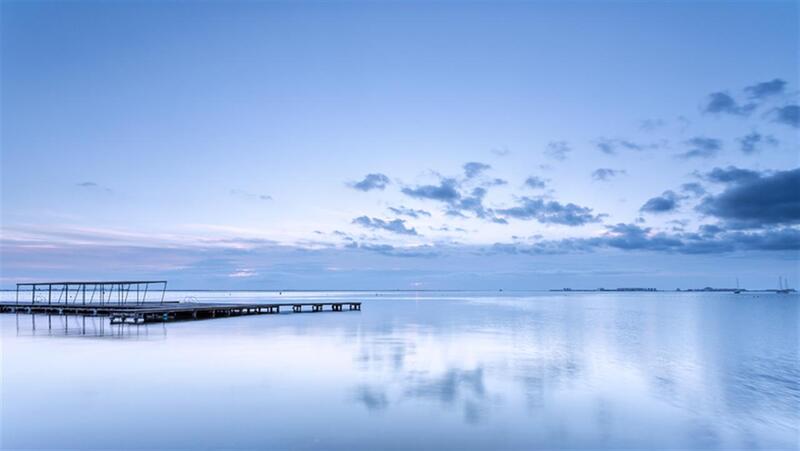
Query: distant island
(683,290)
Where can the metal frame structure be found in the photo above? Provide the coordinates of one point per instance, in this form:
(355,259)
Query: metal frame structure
(128,292)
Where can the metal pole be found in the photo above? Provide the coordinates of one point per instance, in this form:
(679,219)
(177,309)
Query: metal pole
(83,301)
(17,301)
(49,294)
(33,294)
(163,291)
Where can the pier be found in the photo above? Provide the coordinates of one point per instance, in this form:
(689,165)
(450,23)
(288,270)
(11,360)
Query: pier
(127,302)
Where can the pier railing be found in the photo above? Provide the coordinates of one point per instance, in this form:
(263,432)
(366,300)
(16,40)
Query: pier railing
(127,292)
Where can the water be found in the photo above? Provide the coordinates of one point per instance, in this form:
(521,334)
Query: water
(416,371)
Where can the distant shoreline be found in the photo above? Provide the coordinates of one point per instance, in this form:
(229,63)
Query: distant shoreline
(542,290)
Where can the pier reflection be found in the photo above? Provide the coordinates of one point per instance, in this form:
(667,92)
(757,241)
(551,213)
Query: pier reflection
(84,326)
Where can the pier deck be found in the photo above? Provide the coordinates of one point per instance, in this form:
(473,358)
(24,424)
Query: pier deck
(171,311)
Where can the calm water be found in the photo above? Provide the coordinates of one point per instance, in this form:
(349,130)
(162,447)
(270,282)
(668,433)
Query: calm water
(416,371)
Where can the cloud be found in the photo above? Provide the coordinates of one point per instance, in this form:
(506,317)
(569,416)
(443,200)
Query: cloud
(631,236)
(496,182)
(535,182)
(785,239)
(189,261)
(701,147)
(457,203)
(754,141)
(732,174)
(756,201)
(445,191)
(474,169)
(247,195)
(395,226)
(605,174)
(501,152)
(709,239)
(557,150)
(89,185)
(764,89)
(665,203)
(693,188)
(371,182)
(649,125)
(550,212)
(410,212)
(611,146)
(474,203)
(723,103)
(391,251)
(243,273)
(787,115)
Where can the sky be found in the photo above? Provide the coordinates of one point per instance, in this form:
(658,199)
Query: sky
(401,145)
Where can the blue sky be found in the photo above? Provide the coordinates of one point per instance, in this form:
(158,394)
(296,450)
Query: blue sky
(401,145)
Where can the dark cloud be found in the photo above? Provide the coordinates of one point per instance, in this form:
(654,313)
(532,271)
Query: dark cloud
(605,174)
(732,174)
(612,146)
(445,191)
(710,230)
(701,147)
(410,212)
(630,237)
(723,103)
(474,203)
(557,150)
(787,115)
(665,203)
(370,182)
(462,203)
(754,141)
(756,201)
(693,188)
(785,239)
(457,203)
(550,212)
(395,226)
(535,182)
(764,89)
(474,169)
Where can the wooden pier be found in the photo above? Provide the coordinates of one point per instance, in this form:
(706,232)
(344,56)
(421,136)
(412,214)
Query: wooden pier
(174,311)
(122,305)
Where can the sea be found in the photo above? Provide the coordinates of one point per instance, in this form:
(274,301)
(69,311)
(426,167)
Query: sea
(413,371)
